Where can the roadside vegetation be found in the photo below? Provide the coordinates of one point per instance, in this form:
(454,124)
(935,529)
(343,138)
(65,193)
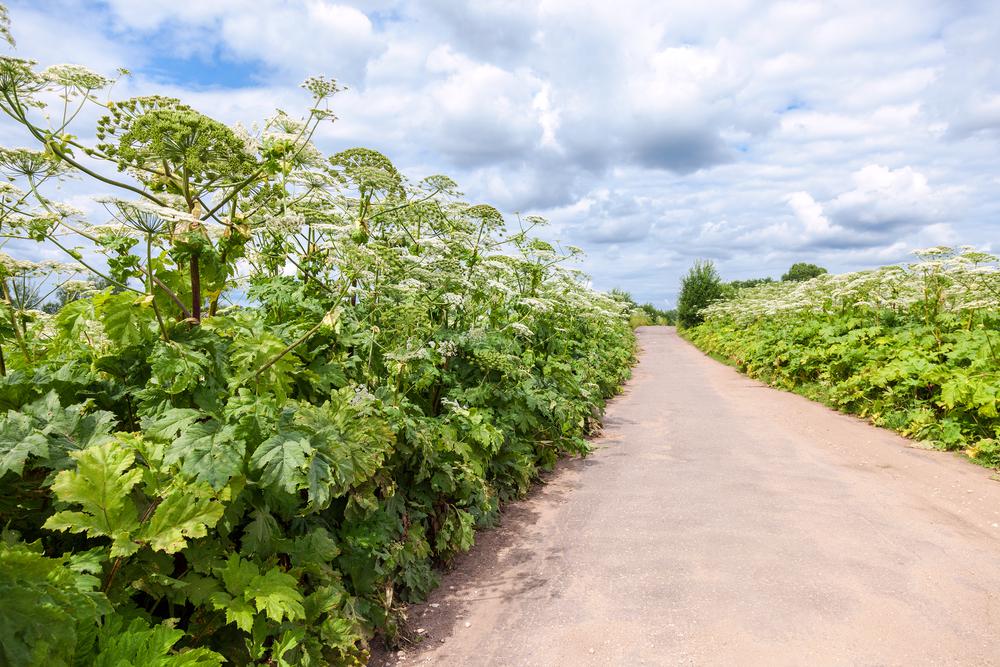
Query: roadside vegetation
(914,348)
(700,288)
(646,314)
(265,391)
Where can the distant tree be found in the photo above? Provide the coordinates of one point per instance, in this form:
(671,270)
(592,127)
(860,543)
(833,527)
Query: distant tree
(63,295)
(730,289)
(699,288)
(802,271)
(643,314)
(752,282)
(656,315)
(623,295)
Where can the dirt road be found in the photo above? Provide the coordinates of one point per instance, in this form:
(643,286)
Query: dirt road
(721,522)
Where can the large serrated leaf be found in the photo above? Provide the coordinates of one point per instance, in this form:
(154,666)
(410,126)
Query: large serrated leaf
(100,485)
(48,612)
(282,460)
(186,512)
(18,441)
(276,594)
(137,643)
(48,432)
(177,367)
(207,452)
(238,610)
(127,320)
(237,574)
(170,423)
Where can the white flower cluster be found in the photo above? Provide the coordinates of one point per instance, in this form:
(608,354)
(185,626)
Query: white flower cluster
(144,216)
(538,305)
(411,352)
(445,348)
(285,222)
(433,243)
(15,162)
(961,279)
(521,329)
(24,267)
(77,286)
(250,142)
(361,395)
(411,285)
(452,299)
(10,191)
(75,76)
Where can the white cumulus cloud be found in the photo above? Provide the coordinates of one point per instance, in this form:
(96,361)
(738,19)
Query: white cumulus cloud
(757,133)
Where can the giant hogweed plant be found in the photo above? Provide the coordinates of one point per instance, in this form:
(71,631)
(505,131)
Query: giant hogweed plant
(306,381)
(913,347)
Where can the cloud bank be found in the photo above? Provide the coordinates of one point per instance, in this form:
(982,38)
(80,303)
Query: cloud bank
(650,134)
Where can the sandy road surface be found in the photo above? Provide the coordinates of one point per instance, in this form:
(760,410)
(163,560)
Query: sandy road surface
(721,522)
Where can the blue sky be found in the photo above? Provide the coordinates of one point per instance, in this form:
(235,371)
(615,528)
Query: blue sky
(756,134)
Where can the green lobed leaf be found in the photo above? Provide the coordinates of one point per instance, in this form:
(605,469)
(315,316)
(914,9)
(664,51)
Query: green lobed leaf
(138,643)
(177,367)
(48,612)
(207,452)
(19,440)
(186,512)
(48,432)
(170,423)
(100,485)
(127,319)
(276,594)
(282,460)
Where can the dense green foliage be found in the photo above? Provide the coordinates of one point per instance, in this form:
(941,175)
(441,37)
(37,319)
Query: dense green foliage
(305,382)
(701,287)
(733,285)
(646,314)
(802,271)
(649,314)
(916,348)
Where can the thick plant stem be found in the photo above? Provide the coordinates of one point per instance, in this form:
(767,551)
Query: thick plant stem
(149,286)
(213,306)
(176,299)
(195,209)
(195,290)
(18,334)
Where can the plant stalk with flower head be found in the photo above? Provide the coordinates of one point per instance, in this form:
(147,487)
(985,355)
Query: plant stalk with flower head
(304,382)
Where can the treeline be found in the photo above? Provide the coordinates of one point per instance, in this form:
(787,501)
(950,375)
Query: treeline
(646,314)
(703,286)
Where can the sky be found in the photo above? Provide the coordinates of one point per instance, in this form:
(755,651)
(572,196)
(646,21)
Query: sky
(650,134)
